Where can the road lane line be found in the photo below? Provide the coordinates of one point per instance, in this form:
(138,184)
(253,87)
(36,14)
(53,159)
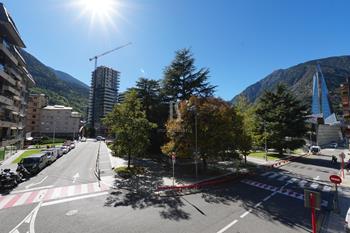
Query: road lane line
(228,226)
(245,213)
(32,189)
(73,199)
(257,204)
(30,185)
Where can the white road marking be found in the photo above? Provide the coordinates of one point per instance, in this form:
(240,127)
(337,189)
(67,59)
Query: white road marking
(6,200)
(326,188)
(266,173)
(257,204)
(282,178)
(275,174)
(73,199)
(292,180)
(40,195)
(22,199)
(56,193)
(317,178)
(32,189)
(30,218)
(70,191)
(75,177)
(84,188)
(302,183)
(33,184)
(228,226)
(314,185)
(245,213)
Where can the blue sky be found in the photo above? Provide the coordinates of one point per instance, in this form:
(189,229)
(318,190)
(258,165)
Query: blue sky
(241,41)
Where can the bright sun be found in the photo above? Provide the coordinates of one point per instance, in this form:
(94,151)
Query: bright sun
(101,11)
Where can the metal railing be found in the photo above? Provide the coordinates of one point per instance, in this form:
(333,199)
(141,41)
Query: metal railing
(97,166)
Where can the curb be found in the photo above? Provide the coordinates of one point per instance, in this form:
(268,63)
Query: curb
(195,188)
(283,162)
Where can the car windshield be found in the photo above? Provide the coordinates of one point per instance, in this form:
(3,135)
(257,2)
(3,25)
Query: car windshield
(29,160)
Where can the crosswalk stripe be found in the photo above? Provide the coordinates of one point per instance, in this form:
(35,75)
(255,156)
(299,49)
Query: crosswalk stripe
(40,196)
(31,197)
(266,173)
(314,185)
(84,188)
(23,199)
(70,191)
(275,174)
(96,187)
(5,201)
(283,178)
(302,183)
(326,188)
(292,180)
(56,193)
(12,201)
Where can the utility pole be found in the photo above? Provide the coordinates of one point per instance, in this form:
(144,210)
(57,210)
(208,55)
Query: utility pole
(196,135)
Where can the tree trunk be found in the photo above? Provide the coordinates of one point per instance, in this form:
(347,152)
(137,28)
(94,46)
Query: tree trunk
(245,159)
(205,164)
(129,158)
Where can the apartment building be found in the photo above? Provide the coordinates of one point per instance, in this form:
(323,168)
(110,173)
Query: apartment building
(14,83)
(103,96)
(36,103)
(59,121)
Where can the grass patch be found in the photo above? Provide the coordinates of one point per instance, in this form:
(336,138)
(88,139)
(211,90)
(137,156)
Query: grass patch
(261,155)
(126,172)
(2,154)
(26,154)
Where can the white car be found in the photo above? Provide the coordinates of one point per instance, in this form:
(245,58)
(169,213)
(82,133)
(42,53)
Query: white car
(315,150)
(72,145)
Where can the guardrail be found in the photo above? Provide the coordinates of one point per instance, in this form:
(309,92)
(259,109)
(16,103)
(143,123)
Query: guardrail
(97,166)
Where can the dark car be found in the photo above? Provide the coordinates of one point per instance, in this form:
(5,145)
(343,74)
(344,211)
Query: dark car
(100,138)
(35,163)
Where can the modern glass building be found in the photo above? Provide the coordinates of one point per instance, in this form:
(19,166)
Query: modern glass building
(103,96)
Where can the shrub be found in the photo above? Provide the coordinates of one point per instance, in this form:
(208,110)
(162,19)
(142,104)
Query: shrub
(126,172)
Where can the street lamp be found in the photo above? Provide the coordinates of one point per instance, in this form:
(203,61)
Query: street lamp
(194,109)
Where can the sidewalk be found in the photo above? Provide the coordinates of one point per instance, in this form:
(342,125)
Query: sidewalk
(8,162)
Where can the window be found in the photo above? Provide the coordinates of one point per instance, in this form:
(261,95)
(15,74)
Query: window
(33,122)
(34,116)
(34,110)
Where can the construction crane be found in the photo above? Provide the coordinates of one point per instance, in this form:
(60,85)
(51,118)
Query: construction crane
(105,53)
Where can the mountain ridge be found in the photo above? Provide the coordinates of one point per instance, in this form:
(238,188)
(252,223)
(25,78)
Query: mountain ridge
(299,80)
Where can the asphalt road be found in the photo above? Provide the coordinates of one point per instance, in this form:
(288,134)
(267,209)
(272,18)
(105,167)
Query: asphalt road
(267,202)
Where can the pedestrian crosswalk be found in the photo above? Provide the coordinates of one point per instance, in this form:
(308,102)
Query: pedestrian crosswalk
(24,198)
(302,183)
(283,191)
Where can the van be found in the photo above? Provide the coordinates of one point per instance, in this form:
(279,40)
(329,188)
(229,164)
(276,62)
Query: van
(35,163)
(315,150)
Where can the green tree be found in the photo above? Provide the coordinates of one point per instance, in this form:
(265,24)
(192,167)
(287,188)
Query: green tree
(216,129)
(281,115)
(128,123)
(182,80)
(247,119)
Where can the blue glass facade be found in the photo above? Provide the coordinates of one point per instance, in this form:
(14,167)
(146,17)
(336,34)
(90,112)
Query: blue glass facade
(326,109)
(315,107)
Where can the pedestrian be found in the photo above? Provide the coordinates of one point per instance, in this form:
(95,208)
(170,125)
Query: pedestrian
(348,165)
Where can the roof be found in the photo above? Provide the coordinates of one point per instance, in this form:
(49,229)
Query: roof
(57,107)
(36,155)
(8,27)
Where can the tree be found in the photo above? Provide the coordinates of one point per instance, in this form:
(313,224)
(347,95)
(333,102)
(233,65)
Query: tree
(281,115)
(128,123)
(181,80)
(148,91)
(216,129)
(246,117)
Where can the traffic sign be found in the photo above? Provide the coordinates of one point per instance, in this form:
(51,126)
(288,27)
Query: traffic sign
(335,179)
(316,202)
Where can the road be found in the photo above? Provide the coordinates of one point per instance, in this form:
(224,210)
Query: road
(270,201)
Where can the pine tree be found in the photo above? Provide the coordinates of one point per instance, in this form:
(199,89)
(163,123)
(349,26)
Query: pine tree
(181,80)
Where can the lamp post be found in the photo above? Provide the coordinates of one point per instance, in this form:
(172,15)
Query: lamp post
(194,109)
(265,136)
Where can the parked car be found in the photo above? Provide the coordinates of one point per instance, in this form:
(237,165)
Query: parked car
(333,145)
(65,149)
(83,139)
(315,150)
(35,163)
(100,138)
(52,154)
(347,222)
(72,145)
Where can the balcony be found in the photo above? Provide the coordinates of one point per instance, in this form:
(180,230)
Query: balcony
(15,73)
(5,100)
(12,108)
(9,142)
(6,76)
(19,57)
(11,89)
(6,48)
(8,124)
